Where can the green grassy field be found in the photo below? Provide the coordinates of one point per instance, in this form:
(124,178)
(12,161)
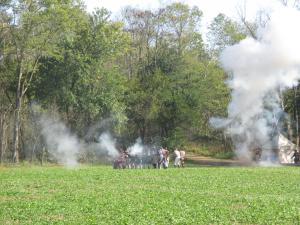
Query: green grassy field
(101,195)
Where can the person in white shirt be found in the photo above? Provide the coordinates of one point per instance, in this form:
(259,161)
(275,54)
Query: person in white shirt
(177,158)
(182,157)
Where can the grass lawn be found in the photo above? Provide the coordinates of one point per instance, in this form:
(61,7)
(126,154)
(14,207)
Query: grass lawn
(198,195)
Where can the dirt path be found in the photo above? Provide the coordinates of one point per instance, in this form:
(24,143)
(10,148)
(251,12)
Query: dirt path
(208,161)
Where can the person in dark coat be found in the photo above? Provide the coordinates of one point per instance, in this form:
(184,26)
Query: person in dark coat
(296,157)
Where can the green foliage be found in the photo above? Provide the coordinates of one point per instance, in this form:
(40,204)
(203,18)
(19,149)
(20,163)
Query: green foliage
(100,195)
(177,139)
(201,93)
(183,24)
(224,31)
(290,120)
(87,84)
(149,74)
(173,87)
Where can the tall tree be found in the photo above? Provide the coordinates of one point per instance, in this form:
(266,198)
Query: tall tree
(183,25)
(223,32)
(34,28)
(86,83)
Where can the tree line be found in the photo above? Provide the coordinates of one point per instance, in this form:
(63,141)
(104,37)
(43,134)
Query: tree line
(148,74)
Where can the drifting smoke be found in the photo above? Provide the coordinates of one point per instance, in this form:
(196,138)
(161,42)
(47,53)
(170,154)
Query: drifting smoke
(94,131)
(66,147)
(137,148)
(260,69)
(108,144)
(62,145)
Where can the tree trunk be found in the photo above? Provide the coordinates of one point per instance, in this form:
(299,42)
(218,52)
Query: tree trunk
(17,118)
(288,119)
(289,129)
(296,116)
(226,144)
(2,137)
(17,130)
(142,132)
(42,157)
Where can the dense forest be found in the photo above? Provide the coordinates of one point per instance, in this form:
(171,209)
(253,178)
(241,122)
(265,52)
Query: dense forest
(147,74)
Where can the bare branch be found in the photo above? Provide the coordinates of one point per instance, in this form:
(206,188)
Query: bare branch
(241,12)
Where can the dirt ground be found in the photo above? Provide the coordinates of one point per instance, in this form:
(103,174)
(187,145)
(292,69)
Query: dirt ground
(208,161)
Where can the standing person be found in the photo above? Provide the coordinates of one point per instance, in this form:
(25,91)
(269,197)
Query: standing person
(155,159)
(182,157)
(258,154)
(160,157)
(165,158)
(177,158)
(126,159)
(296,157)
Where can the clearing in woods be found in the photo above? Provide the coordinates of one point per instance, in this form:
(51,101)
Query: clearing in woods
(193,195)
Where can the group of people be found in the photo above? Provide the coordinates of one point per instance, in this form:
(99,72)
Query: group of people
(156,158)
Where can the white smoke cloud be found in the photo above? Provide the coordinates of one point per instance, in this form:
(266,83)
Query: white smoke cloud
(66,147)
(108,144)
(259,69)
(61,144)
(137,148)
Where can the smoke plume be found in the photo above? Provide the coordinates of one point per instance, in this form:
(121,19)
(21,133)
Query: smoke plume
(259,69)
(108,144)
(66,148)
(61,144)
(137,148)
